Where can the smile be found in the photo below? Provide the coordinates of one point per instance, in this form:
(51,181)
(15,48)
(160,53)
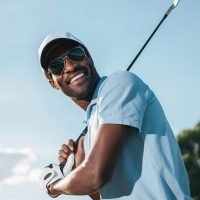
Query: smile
(77,77)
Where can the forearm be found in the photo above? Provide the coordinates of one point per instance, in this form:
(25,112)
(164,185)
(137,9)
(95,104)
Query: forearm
(81,181)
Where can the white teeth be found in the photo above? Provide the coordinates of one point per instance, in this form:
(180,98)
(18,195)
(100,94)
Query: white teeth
(77,77)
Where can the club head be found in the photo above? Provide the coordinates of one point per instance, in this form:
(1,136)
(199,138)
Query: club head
(175,2)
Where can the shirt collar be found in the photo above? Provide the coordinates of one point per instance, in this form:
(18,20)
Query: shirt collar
(95,96)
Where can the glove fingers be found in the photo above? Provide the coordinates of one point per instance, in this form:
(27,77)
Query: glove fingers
(50,174)
(68,166)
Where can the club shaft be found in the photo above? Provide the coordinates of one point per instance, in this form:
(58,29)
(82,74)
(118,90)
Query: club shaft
(84,132)
(145,44)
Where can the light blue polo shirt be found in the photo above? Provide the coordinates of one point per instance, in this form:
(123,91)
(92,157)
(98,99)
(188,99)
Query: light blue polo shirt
(150,165)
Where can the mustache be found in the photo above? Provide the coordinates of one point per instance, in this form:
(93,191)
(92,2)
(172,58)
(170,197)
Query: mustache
(76,68)
(79,67)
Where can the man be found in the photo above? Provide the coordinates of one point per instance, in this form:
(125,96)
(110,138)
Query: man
(133,152)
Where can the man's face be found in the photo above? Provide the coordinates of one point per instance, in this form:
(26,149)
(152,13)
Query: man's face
(78,79)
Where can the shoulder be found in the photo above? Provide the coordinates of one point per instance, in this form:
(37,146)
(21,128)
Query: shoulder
(123,80)
(123,75)
(122,100)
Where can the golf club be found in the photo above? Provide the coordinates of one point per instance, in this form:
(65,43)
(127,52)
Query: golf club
(174,4)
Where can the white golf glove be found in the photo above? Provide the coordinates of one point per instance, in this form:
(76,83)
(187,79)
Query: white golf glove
(54,172)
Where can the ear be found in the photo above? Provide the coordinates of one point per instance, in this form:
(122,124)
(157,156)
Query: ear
(50,79)
(53,84)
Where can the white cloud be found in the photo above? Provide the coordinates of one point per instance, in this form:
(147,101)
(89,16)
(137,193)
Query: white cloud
(15,166)
(34,175)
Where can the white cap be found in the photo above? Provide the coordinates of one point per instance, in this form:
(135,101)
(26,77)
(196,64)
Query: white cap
(51,41)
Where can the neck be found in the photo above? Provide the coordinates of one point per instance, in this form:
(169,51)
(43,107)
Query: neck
(82,103)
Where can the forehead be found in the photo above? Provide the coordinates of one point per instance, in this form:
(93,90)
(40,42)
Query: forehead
(58,50)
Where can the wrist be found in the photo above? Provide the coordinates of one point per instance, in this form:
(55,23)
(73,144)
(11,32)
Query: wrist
(52,191)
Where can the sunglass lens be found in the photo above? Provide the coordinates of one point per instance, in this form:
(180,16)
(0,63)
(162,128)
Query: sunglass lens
(57,66)
(76,54)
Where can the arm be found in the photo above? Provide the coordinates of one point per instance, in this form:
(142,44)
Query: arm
(69,148)
(97,168)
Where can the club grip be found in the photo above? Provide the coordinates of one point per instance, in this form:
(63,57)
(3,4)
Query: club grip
(84,132)
(77,141)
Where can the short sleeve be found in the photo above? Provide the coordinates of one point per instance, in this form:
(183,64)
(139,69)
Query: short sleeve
(122,100)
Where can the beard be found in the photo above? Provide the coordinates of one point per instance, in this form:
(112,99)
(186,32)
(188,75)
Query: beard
(84,88)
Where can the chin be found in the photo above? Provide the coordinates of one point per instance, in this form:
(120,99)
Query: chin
(78,95)
(82,96)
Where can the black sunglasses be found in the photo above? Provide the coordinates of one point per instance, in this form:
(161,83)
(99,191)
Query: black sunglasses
(75,55)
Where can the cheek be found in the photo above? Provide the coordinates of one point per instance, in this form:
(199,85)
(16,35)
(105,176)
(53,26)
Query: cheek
(61,84)
(58,81)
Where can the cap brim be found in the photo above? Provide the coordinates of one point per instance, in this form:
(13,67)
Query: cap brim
(52,45)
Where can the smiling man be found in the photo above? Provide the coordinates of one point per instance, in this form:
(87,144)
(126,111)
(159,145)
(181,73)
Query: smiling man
(133,152)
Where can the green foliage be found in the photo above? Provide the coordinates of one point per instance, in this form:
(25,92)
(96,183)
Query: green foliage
(189,142)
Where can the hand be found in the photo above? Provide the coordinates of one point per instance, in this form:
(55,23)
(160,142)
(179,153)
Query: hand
(50,175)
(65,151)
(54,172)
(68,149)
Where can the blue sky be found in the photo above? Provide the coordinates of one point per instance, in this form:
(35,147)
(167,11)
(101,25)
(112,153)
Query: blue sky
(35,120)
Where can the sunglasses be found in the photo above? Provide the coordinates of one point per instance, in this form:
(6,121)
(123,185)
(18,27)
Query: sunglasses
(76,54)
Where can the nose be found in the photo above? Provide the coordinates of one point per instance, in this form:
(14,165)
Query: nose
(69,66)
